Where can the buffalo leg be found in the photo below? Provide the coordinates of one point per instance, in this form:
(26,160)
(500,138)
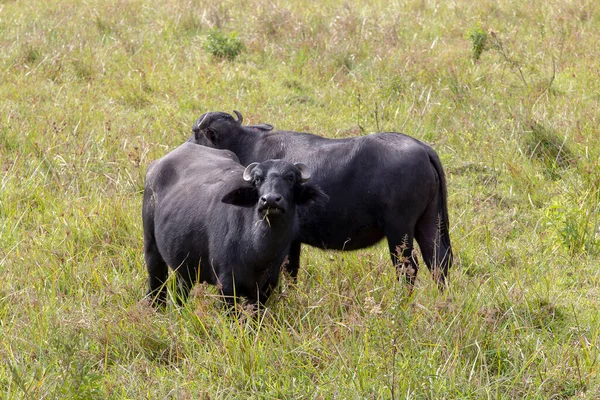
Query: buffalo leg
(294,260)
(155,264)
(186,278)
(269,286)
(436,252)
(226,285)
(157,273)
(403,258)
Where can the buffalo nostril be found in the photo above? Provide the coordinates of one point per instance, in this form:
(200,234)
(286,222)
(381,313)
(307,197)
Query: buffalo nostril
(270,199)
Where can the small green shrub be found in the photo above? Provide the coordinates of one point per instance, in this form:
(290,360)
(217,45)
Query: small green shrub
(222,45)
(578,226)
(478,39)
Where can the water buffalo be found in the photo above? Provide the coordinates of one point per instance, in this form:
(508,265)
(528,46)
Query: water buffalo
(384,184)
(212,220)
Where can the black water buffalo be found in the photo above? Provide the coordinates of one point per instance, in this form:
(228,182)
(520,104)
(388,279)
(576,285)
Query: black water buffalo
(384,184)
(213,221)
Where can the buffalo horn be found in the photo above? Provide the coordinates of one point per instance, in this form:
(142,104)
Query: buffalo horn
(304,172)
(239,116)
(202,122)
(248,172)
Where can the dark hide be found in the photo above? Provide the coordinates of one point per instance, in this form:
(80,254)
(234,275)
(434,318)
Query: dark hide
(380,185)
(213,221)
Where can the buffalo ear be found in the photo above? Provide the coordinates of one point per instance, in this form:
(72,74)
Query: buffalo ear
(310,194)
(211,135)
(198,135)
(201,136)
(261,127)
(245,196)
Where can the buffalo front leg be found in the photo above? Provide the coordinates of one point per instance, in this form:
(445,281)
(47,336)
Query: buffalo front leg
(187,276)
(268,287)
(225,283)
(293,260)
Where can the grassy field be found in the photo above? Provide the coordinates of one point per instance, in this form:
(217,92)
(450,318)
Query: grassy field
(508,93)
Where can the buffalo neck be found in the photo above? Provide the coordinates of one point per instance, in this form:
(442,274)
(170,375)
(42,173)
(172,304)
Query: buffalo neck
(254,146)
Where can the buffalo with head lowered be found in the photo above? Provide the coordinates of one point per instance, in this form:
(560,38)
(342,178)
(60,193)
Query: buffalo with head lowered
(380,185)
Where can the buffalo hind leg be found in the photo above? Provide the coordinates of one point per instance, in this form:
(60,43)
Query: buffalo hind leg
(435,250)
(403,257)
(157,273)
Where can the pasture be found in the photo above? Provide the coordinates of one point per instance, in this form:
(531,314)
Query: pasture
(507,93)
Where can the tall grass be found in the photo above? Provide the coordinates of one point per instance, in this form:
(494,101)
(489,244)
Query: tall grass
(92,92)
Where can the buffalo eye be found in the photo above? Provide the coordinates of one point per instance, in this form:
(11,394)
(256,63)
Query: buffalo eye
(291,178)
(258,180)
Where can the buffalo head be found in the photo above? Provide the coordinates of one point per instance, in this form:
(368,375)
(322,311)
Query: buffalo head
(218,129)
(275,187)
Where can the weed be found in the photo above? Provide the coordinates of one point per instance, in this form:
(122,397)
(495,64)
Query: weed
(478,38)
(576,219)
(224,45)
(498,45)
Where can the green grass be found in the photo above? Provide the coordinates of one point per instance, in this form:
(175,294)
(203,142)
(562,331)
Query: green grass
(92,92)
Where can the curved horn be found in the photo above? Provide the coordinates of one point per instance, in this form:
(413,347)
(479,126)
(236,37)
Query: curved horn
(239,116)
(248,172)
(304,172)
(201,122)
